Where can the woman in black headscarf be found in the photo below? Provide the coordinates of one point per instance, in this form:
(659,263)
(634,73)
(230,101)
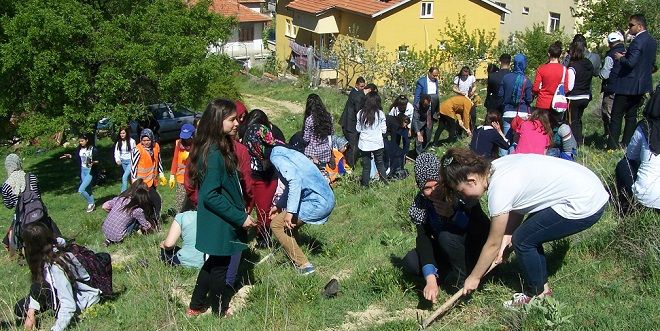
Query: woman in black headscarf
(450,232)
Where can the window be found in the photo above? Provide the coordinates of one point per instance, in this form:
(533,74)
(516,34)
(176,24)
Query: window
(503,15)
(290,30)
(246,33)
(525,11)
(427,9)
(553,22)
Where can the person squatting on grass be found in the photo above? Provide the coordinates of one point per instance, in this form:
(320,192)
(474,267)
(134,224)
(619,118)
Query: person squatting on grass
(317,130)
(450,232)
(86,155)
(533,135)
(371,126)
(146,164)
(131,210)
(221,217)
(179,163)
(488,139)
(59,281)
(560,198)
(123,150)
(638,173)
(562,141)
(307,196)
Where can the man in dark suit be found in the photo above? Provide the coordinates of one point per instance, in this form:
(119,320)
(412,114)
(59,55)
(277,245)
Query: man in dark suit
(427,85)
(349,119)
(493,102)
(634,80)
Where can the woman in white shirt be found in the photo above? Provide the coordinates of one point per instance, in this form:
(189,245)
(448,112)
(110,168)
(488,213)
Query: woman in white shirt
(123,150)
(465,83)
(561,198)
(371,126)
(638,174)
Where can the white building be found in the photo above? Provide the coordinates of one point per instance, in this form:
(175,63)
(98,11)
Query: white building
(247,40)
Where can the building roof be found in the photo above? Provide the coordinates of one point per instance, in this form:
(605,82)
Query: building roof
(233,8)
(251,1)
(371,8)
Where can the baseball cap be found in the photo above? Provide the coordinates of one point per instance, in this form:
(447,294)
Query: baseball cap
(614,36)
(187,131)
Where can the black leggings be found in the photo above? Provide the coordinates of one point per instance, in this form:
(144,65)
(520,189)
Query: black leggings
(211,286)
(156,201)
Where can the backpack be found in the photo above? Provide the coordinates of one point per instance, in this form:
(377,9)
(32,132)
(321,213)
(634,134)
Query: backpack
(29,207)
(97,265)
(559,100)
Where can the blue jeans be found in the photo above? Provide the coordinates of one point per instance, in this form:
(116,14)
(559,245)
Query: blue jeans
(506,127)
(541,227)
(85,188)
(126,165)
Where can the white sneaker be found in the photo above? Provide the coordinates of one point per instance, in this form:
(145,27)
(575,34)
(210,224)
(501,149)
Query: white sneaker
(91,207)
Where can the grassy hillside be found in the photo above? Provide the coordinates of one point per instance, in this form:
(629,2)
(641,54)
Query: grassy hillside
(607,277)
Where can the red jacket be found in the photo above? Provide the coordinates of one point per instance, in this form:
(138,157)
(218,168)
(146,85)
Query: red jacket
(243,175)
(548,76)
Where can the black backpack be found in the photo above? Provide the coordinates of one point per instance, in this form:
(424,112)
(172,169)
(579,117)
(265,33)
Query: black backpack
(97,265)
(29,207)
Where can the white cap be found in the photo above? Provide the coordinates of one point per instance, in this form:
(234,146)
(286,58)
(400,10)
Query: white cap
(614,36)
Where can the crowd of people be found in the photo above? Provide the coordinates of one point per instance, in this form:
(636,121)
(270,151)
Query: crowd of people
(234,163)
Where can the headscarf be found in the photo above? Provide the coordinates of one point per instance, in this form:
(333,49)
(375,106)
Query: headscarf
(338,142)
(519,66)
(427,167)
(240,110)
(259,140)
(149,134)
(652,118)
(15,174)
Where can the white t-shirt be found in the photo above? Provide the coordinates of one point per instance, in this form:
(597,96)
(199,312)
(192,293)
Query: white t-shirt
(371,137)
(409,110)
(464,85)
(85,157)
(527,183)
(647,185)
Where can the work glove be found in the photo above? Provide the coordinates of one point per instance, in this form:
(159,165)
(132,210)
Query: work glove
(172,181)
(163,180)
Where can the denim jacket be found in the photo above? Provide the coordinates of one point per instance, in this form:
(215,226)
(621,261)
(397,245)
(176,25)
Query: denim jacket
(307,192)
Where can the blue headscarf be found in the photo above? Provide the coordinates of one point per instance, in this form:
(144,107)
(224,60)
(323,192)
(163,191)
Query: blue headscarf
(519,66)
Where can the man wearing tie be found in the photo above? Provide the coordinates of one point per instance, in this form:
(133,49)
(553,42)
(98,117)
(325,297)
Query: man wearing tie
(637,65)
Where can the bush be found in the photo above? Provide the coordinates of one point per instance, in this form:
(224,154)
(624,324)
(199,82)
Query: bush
(533,43)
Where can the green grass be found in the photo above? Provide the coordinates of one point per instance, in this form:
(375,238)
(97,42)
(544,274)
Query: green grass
(604,278)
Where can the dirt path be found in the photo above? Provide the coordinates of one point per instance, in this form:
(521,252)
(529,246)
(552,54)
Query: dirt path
(271,106)
(375,315)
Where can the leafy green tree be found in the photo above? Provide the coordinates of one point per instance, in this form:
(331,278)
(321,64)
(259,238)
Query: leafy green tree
(72,62)
(533,43)
(600,17)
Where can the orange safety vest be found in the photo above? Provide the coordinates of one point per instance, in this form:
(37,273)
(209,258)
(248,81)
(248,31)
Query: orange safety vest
(147,166)
(181,159)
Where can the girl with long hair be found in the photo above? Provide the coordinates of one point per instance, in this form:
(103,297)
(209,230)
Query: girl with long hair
(123,148)
(317,131)
(59,281)
(371,125)
(581,72)
(128,212)
(86,155)
(221,218)
(563,199)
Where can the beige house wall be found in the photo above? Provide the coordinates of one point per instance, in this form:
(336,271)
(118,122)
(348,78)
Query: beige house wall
(539,12)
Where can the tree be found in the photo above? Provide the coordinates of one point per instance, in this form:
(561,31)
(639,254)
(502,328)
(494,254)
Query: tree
(73,62)
(600,17)
(355,59)
(463,47)
(533,43)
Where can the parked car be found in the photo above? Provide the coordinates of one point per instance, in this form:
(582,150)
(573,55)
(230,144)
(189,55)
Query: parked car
(166,120)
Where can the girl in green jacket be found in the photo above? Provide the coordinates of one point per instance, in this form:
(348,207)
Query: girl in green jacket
(221,217)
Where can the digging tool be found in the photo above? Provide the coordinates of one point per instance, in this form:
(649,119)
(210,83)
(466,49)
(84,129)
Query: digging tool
(449,303)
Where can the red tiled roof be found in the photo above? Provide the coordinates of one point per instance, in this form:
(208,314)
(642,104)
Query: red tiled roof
(233,8)
(364,7)
(251,1)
